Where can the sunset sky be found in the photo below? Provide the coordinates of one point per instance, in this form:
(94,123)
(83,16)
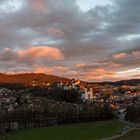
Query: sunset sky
(94,40)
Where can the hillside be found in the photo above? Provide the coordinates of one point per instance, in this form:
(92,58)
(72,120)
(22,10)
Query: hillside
(27,78)
(121,82)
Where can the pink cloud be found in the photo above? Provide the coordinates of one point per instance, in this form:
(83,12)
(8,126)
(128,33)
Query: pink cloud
(120,55)
(136,54)
(37,4)
(41,52)
(98,74)
(46,70)
(111,64)
(54,70)
(55,32)
(80,65)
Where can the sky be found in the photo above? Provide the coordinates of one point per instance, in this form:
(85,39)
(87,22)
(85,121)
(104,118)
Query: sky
(84,39)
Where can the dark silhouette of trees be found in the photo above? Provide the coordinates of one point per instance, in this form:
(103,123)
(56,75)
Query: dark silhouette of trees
(58,94)
(133,113)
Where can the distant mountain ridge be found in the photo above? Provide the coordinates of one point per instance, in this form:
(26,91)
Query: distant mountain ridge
(121,82)
(28,78)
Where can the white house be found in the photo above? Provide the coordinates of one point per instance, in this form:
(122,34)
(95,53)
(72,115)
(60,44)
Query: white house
(88,94)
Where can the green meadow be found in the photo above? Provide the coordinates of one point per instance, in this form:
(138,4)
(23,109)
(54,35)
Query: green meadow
(82,131)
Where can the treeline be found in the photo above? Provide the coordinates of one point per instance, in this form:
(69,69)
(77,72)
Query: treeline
(14,86)
(133,112)
(58,94)
(131,82)
(53,113)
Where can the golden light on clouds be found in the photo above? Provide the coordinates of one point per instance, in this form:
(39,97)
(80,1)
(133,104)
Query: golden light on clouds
(41,52)
(71,38)
(38,5)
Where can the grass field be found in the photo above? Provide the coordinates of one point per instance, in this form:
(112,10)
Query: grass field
(133,135)
(83,131)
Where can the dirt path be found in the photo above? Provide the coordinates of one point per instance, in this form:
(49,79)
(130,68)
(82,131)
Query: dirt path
(129,127)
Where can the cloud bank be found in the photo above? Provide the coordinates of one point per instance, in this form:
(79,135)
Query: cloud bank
(57,37)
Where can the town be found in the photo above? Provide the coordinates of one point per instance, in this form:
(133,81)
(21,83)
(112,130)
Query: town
(73,92)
